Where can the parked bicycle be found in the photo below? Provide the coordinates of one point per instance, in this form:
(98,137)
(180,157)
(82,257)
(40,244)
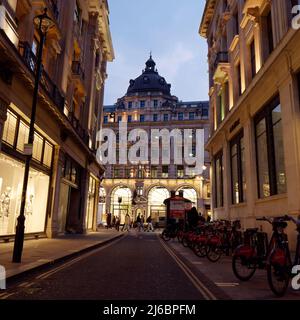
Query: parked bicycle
(170,232)
(280,265)
(223,240)
(253,254)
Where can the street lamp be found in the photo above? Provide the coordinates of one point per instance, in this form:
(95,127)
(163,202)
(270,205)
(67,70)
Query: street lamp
(43,23)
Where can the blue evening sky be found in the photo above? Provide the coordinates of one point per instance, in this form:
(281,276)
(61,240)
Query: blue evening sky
(168,28)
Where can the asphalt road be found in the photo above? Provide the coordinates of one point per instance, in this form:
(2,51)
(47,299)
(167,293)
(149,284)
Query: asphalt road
(137,267)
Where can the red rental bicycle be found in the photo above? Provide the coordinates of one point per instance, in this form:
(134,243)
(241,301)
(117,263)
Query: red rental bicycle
(279,264)
(255,252)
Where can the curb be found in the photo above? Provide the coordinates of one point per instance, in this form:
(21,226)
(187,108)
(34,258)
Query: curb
(61,259)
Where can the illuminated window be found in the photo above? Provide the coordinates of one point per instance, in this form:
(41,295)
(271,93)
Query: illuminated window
(153,172)
(9,131)
(180,171)
(165,172)
(238,180)
(48,152)
(37,147)
(218,177)
(270,151)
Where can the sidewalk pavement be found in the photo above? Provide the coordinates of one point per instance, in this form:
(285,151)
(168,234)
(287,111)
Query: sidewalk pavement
(221,275)
(41,253)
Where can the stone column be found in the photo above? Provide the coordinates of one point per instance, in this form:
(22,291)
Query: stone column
(52,227)
(3,115)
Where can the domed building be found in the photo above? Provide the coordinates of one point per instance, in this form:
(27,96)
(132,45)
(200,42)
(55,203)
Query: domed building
(141,188)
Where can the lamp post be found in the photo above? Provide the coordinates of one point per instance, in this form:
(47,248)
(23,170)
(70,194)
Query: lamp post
(120,201)
(43,23)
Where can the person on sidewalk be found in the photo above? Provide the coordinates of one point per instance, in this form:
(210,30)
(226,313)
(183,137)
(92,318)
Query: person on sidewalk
(108,221)
(139,223)
(114,222)
(117,223)
(150,225)
(127,223)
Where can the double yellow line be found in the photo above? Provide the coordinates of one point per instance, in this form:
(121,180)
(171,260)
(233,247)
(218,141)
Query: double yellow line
(205,292)
(47,274)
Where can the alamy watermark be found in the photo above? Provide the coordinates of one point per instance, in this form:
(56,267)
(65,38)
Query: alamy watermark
(2,278)
(296,18)
(138,147)
(296,278)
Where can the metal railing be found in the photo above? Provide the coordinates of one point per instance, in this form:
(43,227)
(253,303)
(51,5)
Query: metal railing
(77,70)
(54,8)
(52,90)
(48,85)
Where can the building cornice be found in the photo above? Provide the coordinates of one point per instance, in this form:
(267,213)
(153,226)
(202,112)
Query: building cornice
(207,17)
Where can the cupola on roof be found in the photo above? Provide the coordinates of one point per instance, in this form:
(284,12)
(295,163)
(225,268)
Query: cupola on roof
(149,81)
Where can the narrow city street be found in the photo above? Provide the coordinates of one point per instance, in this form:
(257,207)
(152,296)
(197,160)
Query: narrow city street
(141,266)
(136,267)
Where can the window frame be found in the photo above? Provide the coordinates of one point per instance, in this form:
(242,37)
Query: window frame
(237,141)
(266,114)
(218,156)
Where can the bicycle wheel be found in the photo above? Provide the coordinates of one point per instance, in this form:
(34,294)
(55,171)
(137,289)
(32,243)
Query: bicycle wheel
(242,268)
(278,278)
(199,250)
(213,253)
(179,236)
(165,235)
(185,242)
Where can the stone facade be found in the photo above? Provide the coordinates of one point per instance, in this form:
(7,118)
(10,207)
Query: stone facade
(254,67)
(149,104)
(65,173)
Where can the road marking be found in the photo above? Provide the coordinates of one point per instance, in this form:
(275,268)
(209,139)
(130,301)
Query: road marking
(47,274)
(197,262)
(7,295)
(70,263)
(205,292)
(227,284)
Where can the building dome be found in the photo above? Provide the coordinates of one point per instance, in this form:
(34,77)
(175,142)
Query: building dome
(149,81)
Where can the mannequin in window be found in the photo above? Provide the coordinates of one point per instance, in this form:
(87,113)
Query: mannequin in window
(5,202)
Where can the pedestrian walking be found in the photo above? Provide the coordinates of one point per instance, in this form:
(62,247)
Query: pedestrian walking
(127,223)
(114,221)
(150,225)
(139,223)
(108,221)
(117,223)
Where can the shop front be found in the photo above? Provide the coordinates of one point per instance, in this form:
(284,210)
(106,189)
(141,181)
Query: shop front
(91,203)
(71,197)
(15,134)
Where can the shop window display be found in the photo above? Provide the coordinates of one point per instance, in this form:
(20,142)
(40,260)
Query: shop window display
(11,182)
(91,204)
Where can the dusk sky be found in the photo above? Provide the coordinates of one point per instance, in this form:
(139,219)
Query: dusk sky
(169,29)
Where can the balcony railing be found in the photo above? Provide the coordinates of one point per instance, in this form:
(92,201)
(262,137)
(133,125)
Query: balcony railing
(222,57)
(77,70)
(52,90)
(54,8)
(78,128)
